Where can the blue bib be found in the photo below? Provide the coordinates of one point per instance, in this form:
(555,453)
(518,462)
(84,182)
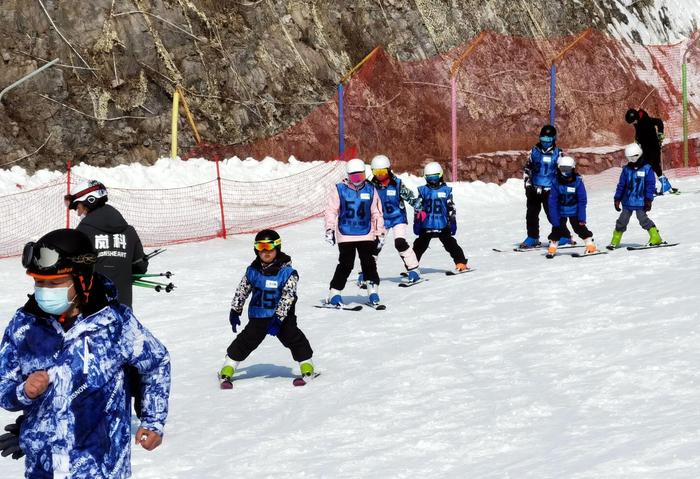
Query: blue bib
(355,215)
(633,194)
(544,166)
(267,291)
(568,198)
(435,206)
(394,211)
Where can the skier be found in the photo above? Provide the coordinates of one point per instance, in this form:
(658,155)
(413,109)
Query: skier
(538,175)
(393,193)
(272,281)
(634,194)
(62,363)
(649,133)
(119,250)
(354,220)
(437,218)
(567,200)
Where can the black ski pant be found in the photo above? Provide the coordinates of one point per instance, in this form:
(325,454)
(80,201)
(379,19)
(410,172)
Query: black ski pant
(652,157)
(346,261)
(421,243)
(560,231)
(255,331)
(535,203)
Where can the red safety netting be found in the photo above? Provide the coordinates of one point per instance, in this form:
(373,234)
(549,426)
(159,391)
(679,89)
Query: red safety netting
(403,109)
(176,215)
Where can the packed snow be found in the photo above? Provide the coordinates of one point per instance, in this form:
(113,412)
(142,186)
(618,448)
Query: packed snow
(524,368)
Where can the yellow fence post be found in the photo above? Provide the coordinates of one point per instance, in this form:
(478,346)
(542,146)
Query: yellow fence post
(173,127)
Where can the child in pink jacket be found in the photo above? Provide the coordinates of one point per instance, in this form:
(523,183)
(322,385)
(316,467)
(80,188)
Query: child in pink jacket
(355,221)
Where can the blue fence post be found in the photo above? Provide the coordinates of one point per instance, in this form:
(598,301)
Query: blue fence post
(552,92)
(341,125)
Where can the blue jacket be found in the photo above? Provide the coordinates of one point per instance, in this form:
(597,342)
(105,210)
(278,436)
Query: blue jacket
(567,200)
(439,208)
(393,207)
(542,165)
(80,426)
(355,215)
(636,185)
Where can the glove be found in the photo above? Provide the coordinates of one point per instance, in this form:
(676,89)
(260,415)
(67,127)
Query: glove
(421,216)
(381,239)
(9,442)
(274,327)
(235,319)
(647,205)
(330,237)
(539,190)
(453,224)
(661,138)
(617,205)
(527,180)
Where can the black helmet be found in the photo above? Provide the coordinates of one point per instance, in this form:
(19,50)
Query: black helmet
(632,115)
(548,130)
(59,253)
(265,238)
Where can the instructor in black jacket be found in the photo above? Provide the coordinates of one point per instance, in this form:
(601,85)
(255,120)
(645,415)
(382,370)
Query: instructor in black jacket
(119,250)
(649,134)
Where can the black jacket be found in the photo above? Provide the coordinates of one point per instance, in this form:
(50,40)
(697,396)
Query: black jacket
(646,131)
(119,249)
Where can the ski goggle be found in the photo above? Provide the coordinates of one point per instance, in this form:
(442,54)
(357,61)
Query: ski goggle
(380,172)
(267,245)
(433,178)
(566,170)
(356,178)
(546,140)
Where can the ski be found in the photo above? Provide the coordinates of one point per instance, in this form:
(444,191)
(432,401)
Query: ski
(304,380)
(408,284)
(455,272)
(342,306)
(648,246)
(535,248)
(583,255)
(377,306)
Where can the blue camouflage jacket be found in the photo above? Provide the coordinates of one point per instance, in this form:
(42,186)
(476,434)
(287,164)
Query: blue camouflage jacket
(80,426)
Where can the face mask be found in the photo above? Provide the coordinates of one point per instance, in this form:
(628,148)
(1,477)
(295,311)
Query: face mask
(546,141)
(53,300)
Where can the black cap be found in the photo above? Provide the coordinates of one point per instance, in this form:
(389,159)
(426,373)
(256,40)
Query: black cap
(632,115)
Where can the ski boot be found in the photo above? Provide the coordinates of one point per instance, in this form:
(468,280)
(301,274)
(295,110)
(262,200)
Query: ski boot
(615,241)
(665,186)
(307,373)
(361,281)
(530,242)
(334,298)
(590,246)
(461,267)
(552,250)
(227,372)
(373,294)
(413,276)
(566,240)
(654,237)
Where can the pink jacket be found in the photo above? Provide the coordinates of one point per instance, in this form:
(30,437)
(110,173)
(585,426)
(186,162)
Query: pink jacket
(333,208)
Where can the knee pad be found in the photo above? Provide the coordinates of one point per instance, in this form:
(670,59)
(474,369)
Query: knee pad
(401,244)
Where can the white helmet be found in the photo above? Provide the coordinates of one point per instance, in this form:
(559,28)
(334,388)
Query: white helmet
(566,165)
(91,193)
(380,161)
(355,166)
(633,152)
(432,168)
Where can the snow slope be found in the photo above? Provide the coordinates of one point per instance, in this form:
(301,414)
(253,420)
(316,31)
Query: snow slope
(525,368)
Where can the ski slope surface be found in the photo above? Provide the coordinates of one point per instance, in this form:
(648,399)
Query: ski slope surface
(524,368)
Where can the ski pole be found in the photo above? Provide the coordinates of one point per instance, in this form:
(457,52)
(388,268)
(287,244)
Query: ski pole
(167,274)
(168,287)
(144,285)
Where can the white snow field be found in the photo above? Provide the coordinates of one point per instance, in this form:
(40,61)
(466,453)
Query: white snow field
(524,368)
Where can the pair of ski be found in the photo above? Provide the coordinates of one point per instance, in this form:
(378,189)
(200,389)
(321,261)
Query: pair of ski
(452,272)
(227,383)
(519,249)
(629,248)
(350,306)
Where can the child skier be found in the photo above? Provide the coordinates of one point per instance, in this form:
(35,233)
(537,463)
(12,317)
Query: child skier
(438,217)
(635,192)
(538,174)
(567,200)
(393,193)
(273,283)
(354,220)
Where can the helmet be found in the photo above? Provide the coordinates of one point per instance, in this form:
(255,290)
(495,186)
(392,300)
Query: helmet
(91,193)
(631,116)
(566,165)
(59,253)
(548,130)
(432,172)
(633,152)
(380,161)
(267,240)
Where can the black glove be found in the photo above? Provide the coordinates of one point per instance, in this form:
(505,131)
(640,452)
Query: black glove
(617,205)
(647,205)
(235,319)
(9,442)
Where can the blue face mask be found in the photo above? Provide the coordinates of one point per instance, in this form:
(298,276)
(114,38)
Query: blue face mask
(547,141)
(52,300)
